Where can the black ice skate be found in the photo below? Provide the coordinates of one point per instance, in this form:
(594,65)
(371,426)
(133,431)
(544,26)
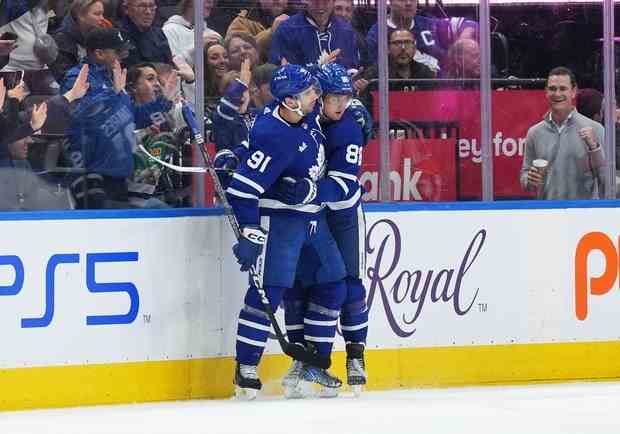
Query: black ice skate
(356,368)
(247,384)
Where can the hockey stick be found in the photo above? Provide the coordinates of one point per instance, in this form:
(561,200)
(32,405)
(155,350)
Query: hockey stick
(179,169)
(297,352)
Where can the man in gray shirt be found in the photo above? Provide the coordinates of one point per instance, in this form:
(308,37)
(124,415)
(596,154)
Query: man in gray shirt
(569,142)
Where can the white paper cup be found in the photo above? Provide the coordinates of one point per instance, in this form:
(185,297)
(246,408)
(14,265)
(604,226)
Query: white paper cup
(540,165)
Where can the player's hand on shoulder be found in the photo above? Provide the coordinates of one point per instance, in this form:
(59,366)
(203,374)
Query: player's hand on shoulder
(294,191)
(250,246)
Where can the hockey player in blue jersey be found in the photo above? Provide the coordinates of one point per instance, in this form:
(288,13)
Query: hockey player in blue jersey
(286,141)
(341,191)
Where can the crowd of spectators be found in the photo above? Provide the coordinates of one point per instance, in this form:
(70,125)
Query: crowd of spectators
(137,57)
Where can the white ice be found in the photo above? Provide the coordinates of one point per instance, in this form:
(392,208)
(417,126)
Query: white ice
(584,408)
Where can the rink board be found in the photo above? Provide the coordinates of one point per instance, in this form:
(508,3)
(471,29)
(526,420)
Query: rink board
(110,307)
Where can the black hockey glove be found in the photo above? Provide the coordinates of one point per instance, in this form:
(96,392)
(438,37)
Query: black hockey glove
(250,246)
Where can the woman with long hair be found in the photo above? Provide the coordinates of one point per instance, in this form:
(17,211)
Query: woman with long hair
(83,16)
(216,66)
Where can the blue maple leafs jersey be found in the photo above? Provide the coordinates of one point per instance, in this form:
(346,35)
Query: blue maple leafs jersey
(341,189)
(277,149)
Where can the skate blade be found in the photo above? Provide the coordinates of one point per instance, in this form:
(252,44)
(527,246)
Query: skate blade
(301,390)
(357,390)
(245,394)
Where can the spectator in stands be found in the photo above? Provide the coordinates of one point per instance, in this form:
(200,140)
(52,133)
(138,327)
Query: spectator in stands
(433,35)
(16,151)
(261,19)
(569,142)
(216,67)
(462,62)
(22,189)
(148,87)
(155,95)
(179,29)
(296,6)
(33,49)
(306,35)
(247,93)
(260,89)
(12,125)
(83,16)
(590,104)
(12,128)
(148,42)
(101,138)
(231,120)
(402,65)
(240,46)
(344,9)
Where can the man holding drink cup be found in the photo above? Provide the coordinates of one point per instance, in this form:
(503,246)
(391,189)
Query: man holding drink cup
(563,153)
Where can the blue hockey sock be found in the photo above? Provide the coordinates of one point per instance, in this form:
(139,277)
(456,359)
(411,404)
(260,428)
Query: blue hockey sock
(354,316)
(254,325)
(294,301)
(322,314)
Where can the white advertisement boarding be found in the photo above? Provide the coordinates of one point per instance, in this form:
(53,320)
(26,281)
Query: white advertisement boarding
(110,290)
(101,291)
(492,277)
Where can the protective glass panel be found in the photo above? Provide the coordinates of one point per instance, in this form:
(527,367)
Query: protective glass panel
(530,42)
(434,102)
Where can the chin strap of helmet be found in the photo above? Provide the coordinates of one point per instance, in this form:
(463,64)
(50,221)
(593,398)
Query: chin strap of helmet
(297,109)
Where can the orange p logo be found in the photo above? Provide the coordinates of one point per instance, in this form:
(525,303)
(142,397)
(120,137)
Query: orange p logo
(594,241)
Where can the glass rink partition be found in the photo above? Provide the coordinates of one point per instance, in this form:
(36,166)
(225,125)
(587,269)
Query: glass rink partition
(453,88)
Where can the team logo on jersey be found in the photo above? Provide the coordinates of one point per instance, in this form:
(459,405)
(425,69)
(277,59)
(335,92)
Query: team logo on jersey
(303,147)
(317,171)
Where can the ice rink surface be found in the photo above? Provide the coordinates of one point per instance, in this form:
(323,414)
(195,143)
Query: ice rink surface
(585,408)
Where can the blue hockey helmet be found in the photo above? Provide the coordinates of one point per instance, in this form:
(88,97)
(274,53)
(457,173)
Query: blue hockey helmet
(334,80)
(292,80)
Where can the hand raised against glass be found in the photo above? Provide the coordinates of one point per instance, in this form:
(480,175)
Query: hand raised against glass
(39,116)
